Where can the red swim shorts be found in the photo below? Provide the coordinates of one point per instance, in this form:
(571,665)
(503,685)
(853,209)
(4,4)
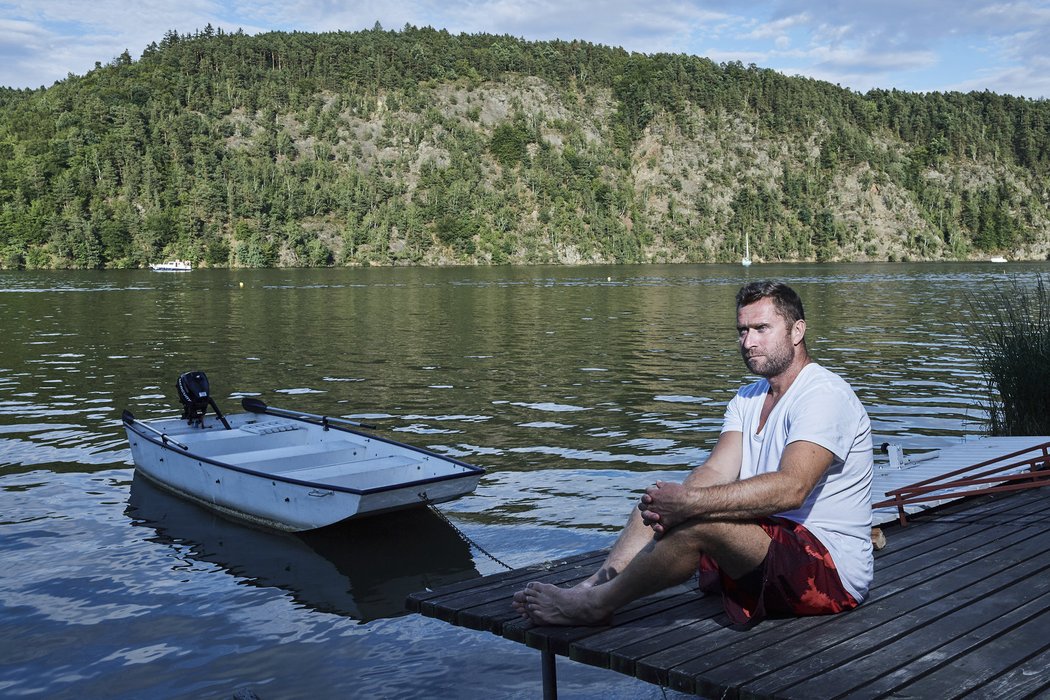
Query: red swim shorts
(797,577)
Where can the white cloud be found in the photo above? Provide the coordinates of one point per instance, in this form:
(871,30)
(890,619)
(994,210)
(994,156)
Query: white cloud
(1012,80)
(866,61)
(328,15)
(934,44)
(780,27)
(16,36)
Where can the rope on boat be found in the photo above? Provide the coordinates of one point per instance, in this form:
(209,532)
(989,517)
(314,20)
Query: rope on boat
(462,535)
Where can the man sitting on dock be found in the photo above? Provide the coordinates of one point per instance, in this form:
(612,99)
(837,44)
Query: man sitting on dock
(779,516)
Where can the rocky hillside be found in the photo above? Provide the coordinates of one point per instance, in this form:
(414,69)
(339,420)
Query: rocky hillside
(420,147)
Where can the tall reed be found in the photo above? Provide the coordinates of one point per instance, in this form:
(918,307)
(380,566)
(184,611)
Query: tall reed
(1012,344)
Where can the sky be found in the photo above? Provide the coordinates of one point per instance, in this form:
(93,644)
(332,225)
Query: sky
(913,45)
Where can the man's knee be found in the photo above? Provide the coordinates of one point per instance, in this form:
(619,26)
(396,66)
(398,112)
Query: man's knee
(736,540)
(717,531)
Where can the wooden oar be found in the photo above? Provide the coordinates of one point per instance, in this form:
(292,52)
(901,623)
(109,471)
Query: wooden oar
(254,405)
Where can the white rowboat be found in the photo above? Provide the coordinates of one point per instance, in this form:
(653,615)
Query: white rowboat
(291,471)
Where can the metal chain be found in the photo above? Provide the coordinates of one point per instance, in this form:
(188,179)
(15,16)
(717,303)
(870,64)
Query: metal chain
(466,538)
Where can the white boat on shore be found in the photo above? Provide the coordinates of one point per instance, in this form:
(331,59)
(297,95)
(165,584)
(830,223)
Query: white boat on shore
(287,470)
(172,266)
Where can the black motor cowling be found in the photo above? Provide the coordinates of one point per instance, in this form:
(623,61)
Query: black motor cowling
(194,393)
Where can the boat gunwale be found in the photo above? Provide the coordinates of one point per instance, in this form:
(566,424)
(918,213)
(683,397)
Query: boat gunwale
(169,443)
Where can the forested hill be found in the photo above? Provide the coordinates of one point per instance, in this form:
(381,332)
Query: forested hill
(421,147)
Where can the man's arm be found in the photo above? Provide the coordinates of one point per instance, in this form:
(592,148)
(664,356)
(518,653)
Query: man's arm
(802,465)
(722,465)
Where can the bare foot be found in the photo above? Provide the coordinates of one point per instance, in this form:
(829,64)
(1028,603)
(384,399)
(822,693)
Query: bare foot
(519,604)
(597,578)
(545,604)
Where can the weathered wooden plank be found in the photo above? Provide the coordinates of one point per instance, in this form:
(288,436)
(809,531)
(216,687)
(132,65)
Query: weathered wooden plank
(1029,679)
(929,532)
(992,659)
(636,656)
(737,657)
(897,633)
(966,646)
(888,667)
(643,636)
(975,564)
(650,658)
(961,600)
(599,650)
(728,643)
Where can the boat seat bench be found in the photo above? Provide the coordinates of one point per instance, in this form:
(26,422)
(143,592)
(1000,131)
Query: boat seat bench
(215,432)
(217,445)
(378,476)
(349,467)
(280,460)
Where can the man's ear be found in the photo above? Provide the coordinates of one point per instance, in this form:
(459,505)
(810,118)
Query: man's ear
(798,331)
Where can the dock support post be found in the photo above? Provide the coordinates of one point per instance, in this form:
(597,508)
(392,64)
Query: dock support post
(550,675)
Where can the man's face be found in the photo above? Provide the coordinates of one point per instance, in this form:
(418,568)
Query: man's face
(767,340)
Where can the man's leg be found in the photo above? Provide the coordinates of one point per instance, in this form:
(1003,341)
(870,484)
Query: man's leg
(737,547)
(635,536)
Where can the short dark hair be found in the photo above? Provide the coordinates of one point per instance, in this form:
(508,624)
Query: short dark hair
(785,299)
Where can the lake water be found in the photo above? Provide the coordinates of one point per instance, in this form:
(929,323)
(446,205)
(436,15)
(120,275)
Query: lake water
(574,387)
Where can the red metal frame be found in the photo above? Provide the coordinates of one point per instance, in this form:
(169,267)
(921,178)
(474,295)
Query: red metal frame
(962,483)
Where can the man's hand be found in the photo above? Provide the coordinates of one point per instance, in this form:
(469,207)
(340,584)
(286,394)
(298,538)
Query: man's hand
(664,505)
(667,504)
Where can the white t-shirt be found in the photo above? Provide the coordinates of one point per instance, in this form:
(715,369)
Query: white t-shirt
(821,408)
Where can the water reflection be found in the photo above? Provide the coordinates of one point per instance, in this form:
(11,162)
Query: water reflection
(574,387)
(361,569)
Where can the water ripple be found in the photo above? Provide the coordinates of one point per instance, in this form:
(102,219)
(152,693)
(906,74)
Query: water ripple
(573,387)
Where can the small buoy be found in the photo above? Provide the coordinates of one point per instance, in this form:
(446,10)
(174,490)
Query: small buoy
(608,279)
(241,284)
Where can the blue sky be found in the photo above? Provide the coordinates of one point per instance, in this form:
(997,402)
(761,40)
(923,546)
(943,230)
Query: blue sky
(938,45)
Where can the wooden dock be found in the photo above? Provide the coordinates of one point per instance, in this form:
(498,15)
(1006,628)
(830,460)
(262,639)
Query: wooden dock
(960,606)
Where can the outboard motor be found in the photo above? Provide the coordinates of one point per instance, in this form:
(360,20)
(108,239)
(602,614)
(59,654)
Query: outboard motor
(195,397)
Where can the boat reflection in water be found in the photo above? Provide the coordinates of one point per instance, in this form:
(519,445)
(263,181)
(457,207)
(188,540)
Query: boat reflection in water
(363,569)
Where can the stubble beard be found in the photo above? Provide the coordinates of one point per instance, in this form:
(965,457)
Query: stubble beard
(773,362)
